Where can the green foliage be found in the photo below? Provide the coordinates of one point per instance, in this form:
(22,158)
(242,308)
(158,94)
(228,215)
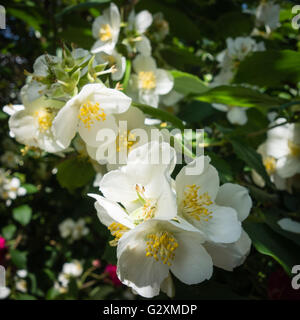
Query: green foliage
(74,173)
(22,214)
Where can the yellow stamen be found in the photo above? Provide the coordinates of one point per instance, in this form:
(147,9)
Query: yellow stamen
(44,119)
(125,141)
(194,205)
(105,33)
(89,113)
(270,165)
(161,246)
(117,230)
(147,80)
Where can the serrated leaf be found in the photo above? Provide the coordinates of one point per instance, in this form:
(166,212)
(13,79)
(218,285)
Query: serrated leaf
(22,214)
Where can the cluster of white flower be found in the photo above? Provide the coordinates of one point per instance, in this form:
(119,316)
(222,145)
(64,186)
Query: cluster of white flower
(73,230)
(162,226)
(229,59)
(10,187)
(70,270)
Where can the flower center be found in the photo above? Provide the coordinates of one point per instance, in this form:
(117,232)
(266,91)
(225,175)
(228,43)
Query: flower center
(125,141)
(147,80)
(294,149)
(44,119)
(161,246)
(148,209)
(117,230)
(105,32)
(194,205)
(89,113)
(270,164)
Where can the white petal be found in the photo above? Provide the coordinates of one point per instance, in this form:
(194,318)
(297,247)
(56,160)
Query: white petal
(231,255)
(65,124)
(149,98)
(287,167)
(192,264)
(236,197)
(290,225)
(164,81)
(89,135)
(168,287)
(144,46)
(143,20)
(223,227)
(220,107)
(143,63)
(237,115)
(109,212)
(204,175)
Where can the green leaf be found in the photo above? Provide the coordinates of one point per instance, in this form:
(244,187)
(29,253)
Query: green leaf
(160,114)
(127,74)
(250,157)
(239,96)
(3,115)
(81,6)
(22,214)
(234,24)
(33,21)
(197,111)
(74,173)
(30,188)
(8,231)
(24,296)
(270,68)
(272,219)
(181,58)
(19,258)
(268,242)
(223,167)
(187,83)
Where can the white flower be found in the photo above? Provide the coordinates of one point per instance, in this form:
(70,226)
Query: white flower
(106,30)
(33,125)
(73,268)
(267,14)
(281,153)
(147,254)
(235,115)
(149,82)
(88,112)
(22,273)
(73,230)
(21,285)
(4,293)
(113,59)
(12,188)
(197,203)
(143,189)
(70,270)
(289,225)
(137,26)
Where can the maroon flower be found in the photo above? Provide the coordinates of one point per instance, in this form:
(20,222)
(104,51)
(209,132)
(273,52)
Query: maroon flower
(280,287)
(111,270)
